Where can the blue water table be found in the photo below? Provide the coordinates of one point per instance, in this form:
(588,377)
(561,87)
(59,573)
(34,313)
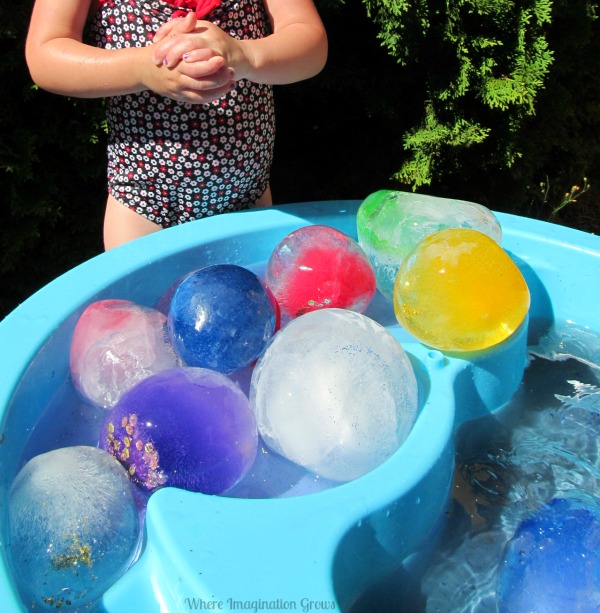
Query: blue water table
(305,549)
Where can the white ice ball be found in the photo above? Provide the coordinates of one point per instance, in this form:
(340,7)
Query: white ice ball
(334,392)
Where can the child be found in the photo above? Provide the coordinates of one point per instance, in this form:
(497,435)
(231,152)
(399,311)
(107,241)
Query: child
(191,117)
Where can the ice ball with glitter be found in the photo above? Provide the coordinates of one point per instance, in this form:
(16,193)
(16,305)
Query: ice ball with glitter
(318,267)
(73,527)
(334,392)
(188,427)
(221,317)
(552,563)
(391,223)
(115,344)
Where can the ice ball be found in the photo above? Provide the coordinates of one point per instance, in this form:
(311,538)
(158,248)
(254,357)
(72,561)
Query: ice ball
(318,267)
(188,427)
(115,344)
(221,317)
(552,563)
(458,290)
(73,527)
(334,392)
(390,224)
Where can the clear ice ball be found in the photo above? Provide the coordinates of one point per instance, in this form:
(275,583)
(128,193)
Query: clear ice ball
(115,344)
(334,392)
(73,527)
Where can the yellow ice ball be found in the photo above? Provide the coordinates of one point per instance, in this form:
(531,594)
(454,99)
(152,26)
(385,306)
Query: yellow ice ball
(458,290)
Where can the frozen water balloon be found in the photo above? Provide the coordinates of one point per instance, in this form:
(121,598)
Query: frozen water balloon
(458,290)
(115,344)
(334,392)
(552,563)
(74,528)
(391,223)
(318,267)
(190,428)
(221,317)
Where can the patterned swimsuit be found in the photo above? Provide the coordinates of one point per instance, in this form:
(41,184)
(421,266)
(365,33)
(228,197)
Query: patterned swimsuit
(173,162)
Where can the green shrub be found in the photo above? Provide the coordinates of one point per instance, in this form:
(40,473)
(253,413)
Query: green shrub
(511,98)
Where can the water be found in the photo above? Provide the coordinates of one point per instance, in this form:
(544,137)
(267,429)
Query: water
(544,444)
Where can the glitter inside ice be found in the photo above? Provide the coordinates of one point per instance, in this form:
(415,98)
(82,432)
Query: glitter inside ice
(115,344)
(74,527)
(334,392)
(391,223)
(190,428)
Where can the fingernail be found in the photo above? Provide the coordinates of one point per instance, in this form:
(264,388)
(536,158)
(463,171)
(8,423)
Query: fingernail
(186,56)
(165,62)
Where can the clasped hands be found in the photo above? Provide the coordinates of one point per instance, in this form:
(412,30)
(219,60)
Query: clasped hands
(201,56)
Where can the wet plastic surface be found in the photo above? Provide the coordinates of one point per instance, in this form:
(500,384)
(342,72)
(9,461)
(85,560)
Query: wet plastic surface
(324,547)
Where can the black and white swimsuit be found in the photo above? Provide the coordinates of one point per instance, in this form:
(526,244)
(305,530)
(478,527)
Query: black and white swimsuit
(173,162)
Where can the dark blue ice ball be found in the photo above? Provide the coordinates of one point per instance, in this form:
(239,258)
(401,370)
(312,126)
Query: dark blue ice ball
(552,563)
(221,317)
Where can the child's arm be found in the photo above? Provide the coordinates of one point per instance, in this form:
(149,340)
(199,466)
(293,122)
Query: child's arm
(60,62)
(296,50)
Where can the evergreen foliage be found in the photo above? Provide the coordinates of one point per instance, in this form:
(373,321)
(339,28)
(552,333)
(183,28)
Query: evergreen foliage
(478,56)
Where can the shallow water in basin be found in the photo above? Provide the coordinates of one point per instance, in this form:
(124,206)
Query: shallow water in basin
(544,443)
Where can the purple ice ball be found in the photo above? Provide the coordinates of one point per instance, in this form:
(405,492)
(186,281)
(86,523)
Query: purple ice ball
(190,428)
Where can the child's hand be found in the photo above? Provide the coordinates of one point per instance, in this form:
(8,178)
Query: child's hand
(175,84)
(205,80)
(206,43)
(178,25)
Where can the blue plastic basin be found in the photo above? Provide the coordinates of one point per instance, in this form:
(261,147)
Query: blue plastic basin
(314,551)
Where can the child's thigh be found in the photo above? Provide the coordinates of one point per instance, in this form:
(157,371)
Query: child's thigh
(266,199)
(122,225)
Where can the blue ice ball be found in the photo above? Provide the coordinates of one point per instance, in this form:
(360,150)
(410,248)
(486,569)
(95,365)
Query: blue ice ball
(73,527)
(221,317)
(552,563)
